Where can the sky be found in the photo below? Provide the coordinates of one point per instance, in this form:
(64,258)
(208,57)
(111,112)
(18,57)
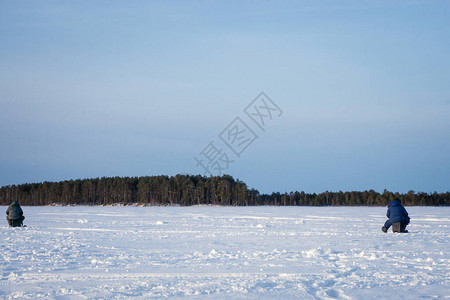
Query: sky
(356,93)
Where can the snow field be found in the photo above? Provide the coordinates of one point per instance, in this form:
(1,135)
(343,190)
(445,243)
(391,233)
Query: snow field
(205,252)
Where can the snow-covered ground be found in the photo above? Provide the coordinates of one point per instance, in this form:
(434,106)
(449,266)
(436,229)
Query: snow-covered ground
(224,253)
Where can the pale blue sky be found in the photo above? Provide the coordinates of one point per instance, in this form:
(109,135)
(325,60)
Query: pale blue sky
(131,88)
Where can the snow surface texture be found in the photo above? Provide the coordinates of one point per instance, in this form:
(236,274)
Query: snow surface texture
(224,253)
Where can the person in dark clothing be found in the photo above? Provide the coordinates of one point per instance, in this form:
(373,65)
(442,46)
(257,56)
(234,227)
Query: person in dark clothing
(14,215)
(398,217)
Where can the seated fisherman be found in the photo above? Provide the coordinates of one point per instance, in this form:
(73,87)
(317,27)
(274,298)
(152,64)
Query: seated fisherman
(15,214)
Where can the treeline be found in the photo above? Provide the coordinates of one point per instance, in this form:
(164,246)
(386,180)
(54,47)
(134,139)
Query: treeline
(186,190)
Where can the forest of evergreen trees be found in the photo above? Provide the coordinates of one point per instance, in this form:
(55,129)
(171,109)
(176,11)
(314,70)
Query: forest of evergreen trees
(185,190)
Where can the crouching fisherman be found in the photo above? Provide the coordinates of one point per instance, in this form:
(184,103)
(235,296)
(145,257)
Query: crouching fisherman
(398,217)
(14,215)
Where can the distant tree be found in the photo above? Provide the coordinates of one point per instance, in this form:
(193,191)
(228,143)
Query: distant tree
(193,190)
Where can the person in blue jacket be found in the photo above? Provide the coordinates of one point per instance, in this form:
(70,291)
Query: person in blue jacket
(398,217)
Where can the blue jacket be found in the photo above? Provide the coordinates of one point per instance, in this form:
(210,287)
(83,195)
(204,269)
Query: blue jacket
(397,213)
